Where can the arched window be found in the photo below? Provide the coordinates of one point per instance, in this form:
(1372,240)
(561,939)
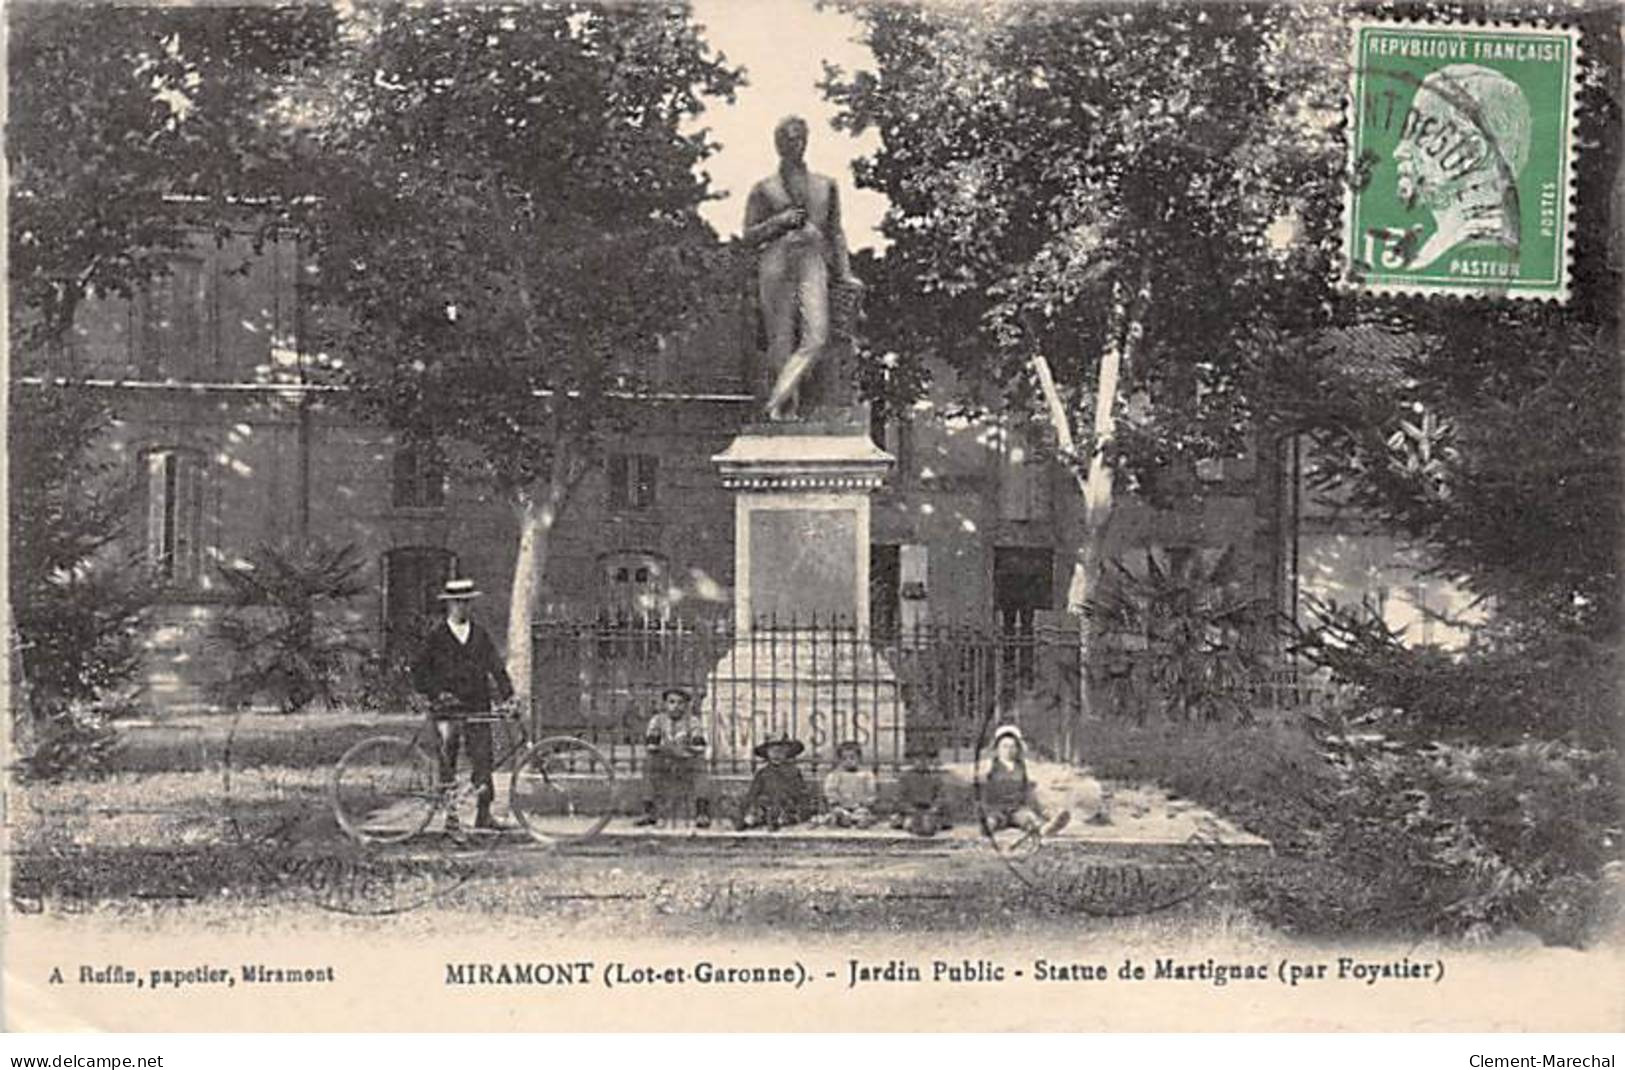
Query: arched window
(634,586)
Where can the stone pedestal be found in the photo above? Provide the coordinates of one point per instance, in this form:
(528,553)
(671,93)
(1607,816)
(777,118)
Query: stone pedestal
(801,663)
(801,524)
(813,685)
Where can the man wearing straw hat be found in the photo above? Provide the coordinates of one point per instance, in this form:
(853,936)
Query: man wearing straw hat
(458,668)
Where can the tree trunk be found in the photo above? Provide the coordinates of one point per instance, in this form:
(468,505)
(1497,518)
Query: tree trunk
(25,713)
(1124,329)
(537,510)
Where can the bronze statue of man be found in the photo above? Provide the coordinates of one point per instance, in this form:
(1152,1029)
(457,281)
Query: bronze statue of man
(794,217)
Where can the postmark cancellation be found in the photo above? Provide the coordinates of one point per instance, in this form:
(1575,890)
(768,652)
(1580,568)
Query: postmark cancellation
(1461,159)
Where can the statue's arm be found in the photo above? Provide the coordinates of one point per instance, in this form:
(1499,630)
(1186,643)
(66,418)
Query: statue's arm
(837,236)
(762,224)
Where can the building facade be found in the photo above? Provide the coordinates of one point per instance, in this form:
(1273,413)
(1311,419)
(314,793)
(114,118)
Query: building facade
(235,437)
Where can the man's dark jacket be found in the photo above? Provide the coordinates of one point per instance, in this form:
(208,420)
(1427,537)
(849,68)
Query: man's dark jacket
(466,670)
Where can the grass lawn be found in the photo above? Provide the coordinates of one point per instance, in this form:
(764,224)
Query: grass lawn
(205,742)
(1270,778)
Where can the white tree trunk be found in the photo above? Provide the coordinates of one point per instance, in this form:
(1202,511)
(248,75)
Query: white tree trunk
(1062,424)
(1124,328)
(1099,483)
(537,517)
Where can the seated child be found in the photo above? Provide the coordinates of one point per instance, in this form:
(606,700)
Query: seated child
(676,741)
(921,808)
(1008,798)
(850,792)
(778,793)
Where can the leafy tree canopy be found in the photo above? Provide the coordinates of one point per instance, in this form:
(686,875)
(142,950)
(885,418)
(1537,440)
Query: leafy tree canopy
(1036,155)
(125,124)
(1046,164)
(501,205)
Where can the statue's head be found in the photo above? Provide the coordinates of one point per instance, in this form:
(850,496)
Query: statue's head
(790,137)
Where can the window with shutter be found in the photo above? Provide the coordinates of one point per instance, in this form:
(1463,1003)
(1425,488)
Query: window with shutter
(617,480)
(175,496)
(174,317)
(644,487)
(632,480)
(419,477)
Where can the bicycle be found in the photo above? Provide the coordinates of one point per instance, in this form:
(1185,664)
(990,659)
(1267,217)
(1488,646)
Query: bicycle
(386,789)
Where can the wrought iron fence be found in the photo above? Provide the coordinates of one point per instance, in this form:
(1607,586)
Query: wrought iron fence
(937,689)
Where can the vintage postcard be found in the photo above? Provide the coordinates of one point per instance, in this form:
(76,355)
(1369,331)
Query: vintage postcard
(828,517)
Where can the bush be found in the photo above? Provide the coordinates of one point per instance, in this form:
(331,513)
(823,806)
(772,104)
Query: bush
(1375,835)
(1507,686)
(1477,789)
(79,636)
(1460,838)
(1309,896)
(73,742)
(286,632)
(77,600)
(385,685)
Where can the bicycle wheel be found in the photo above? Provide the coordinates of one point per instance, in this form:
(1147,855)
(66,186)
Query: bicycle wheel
(563,790)
(385,790)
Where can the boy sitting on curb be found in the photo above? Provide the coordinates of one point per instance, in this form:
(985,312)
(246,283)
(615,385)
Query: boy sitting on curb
(921,806)
(676,742)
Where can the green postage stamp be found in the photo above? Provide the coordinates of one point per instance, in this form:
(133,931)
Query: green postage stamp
(1461,141)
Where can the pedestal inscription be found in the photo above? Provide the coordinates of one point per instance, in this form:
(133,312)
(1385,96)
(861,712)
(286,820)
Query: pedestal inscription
(804,562)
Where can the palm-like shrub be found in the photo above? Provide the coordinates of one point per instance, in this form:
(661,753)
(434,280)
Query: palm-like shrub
(286,632)
(1192,627)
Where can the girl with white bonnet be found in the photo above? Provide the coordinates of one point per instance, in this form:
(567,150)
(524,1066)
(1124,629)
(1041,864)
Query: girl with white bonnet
(1008,796)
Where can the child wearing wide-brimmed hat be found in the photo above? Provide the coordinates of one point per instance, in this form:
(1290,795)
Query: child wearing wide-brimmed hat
(778,793)
(1008,797)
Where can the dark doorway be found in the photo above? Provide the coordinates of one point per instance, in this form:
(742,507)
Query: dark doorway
(413,578)
(1023,581)
(885,581)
